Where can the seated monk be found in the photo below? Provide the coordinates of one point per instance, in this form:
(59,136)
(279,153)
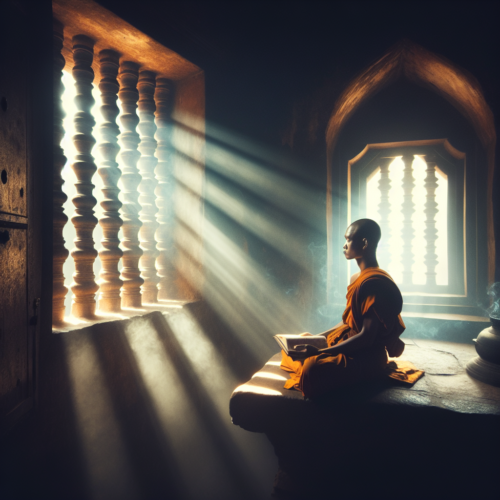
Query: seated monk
(370,327)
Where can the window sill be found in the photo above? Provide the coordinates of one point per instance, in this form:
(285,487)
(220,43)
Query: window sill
(72,324)
(450,317)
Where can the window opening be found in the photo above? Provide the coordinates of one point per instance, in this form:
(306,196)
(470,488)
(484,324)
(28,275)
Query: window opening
(114,133)
(116,202)
(69,177)
(392,252)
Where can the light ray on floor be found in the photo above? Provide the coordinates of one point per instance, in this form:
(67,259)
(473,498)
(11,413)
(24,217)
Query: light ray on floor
(108,467)
(214,374)
(178,418)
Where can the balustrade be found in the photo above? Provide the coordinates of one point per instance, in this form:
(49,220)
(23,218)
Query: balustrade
(129,156)
(408,209)
(384,209)
(147,164)
(110,282)
(164,190)
(431,211)
(416,230)
(84,286)
(135,164)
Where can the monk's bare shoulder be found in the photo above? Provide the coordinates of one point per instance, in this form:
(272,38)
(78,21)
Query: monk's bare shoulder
(354,277)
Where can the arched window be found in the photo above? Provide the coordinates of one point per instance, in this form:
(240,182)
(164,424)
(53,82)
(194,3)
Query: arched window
(439,246)
(415,191)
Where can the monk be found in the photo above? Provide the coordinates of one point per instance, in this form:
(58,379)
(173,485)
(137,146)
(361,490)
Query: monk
(369,331)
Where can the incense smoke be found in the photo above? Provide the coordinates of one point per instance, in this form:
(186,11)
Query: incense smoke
(494,293)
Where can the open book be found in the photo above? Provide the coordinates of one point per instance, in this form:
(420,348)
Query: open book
(288,342)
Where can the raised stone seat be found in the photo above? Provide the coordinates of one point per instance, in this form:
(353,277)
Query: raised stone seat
(443,428)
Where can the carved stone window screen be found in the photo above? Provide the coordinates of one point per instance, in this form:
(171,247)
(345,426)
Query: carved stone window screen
(133,160)
(408,197)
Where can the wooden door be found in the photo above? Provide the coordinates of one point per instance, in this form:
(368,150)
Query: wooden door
(19,215)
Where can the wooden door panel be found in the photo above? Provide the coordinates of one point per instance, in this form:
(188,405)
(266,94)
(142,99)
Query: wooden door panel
(16,339)
(13,103)
(13,324)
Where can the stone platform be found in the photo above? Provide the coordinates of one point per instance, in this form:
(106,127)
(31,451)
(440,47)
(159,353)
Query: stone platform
(374,440)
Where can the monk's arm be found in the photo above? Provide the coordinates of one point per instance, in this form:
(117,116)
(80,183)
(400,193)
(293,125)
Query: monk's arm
(364,339)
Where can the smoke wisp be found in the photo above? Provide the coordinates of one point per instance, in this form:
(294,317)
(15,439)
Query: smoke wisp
(494,294)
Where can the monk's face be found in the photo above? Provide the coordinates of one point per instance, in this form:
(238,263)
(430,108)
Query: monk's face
(354,245)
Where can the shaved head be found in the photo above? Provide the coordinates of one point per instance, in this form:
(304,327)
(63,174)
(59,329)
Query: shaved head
(365,229)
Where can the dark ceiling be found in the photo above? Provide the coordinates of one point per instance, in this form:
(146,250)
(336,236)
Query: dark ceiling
(260,57)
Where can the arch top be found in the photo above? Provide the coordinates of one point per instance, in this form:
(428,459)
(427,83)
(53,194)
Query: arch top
(409,144)
(408,60)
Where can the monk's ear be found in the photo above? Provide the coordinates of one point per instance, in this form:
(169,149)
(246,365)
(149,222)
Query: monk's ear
(365,243)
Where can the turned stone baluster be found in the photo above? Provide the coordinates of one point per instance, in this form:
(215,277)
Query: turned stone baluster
(84,286)
(129,155)
(147,164)
(431,211)
(408,209)
(60,252)
(164,190)
(384,209)
(110,282)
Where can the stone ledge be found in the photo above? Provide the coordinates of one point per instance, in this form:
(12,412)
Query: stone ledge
(262,401)
(436,439)
(76,324)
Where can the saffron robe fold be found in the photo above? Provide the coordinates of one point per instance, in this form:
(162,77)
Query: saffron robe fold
(373,290)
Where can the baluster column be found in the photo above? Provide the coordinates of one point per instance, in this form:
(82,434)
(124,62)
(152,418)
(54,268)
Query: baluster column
(60,252)
(110,282)
(147,164)
(408,209)
(164,190)
(384,208)
(84,286)
(129,140)
(431,211)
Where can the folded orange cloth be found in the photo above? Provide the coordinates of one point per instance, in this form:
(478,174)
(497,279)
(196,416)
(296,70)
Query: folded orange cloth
(397,369)
(404,371)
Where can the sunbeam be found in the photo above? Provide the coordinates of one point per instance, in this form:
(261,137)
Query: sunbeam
(213,373)
(175,399)
(259,172)
(235,278)
(166,390)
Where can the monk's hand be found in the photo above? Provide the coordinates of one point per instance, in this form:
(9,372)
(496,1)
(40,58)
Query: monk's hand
(306,350)
(305,334)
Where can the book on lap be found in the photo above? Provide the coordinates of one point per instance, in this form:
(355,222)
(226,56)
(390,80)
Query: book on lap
(289,342)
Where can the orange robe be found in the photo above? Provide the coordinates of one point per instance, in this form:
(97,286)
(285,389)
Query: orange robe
(373,290)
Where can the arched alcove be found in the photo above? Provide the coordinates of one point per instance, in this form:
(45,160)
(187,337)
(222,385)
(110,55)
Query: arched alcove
(444,102)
